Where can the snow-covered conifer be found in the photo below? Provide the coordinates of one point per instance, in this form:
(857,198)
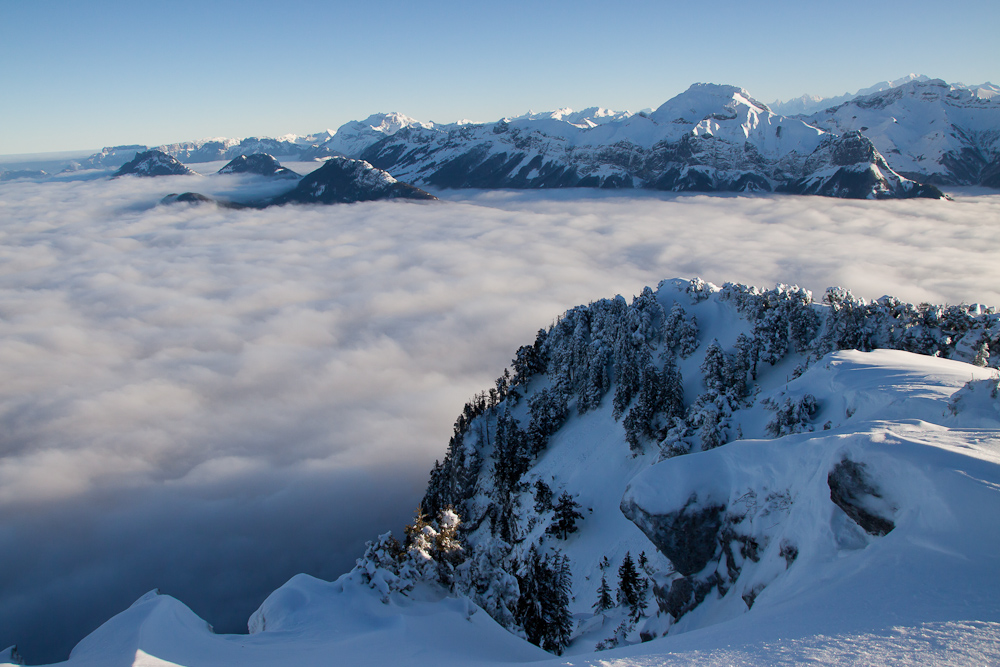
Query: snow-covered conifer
(548,412)
(565,516)
(605,600)
(543,497)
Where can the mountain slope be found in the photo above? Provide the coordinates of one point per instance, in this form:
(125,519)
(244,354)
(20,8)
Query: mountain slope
(936,132)
(153,163)
(786,480)
(261,164)
(342,180)
(808,104)
(710,138)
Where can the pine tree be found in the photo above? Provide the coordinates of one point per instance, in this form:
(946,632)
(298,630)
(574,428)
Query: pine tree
(713,367)
(632,588)
(543,497)
(604,599)
(548,412)
(643,562)
(628,582)
(560,621)
(565,516)
(543,608)
(673,388)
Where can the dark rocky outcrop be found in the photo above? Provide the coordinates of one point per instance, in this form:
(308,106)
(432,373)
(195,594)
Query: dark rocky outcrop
(261,164)
(688,536)
(852,490)
(198,198)
(153,163)
(342,180)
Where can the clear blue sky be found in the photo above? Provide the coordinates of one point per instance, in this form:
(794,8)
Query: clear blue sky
(84,74)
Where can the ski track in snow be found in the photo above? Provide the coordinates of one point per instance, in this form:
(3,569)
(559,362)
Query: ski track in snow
(957,644)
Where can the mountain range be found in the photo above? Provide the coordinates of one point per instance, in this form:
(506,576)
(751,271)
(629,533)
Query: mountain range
(901,140)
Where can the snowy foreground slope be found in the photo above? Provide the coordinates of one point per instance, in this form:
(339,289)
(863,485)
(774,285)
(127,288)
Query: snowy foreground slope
(864,534)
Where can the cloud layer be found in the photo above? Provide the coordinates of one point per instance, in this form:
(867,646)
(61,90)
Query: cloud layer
(209,401)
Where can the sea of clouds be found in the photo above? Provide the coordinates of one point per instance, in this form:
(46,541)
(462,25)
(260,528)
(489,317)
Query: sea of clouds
(209,401)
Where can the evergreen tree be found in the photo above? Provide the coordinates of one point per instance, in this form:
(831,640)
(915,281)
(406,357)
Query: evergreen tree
(628,583)
(673,390)
(643,562)
(680,332)
(486,580)
(543,608)
(632,588)
(565,516)
(543,497)
(713,368)
(548,412)
(604,599)
(560,620)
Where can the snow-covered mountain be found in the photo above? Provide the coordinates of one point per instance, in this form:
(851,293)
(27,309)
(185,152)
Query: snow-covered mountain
(807,104)
(929,130)
(709,138)
(261,164)
(698,476)
(353,137)
(153,163)
(342,180)
(589,117)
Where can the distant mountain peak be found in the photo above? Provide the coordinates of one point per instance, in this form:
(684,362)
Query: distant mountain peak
(153,163)
(706,100)
(261,164)
(343,180)
(811,103)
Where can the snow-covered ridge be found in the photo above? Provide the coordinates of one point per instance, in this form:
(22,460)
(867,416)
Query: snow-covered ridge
(343,180)
(709,138)
(812,103)
(799,480)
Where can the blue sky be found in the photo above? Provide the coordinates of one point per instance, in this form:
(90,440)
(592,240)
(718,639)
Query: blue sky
(80,75)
